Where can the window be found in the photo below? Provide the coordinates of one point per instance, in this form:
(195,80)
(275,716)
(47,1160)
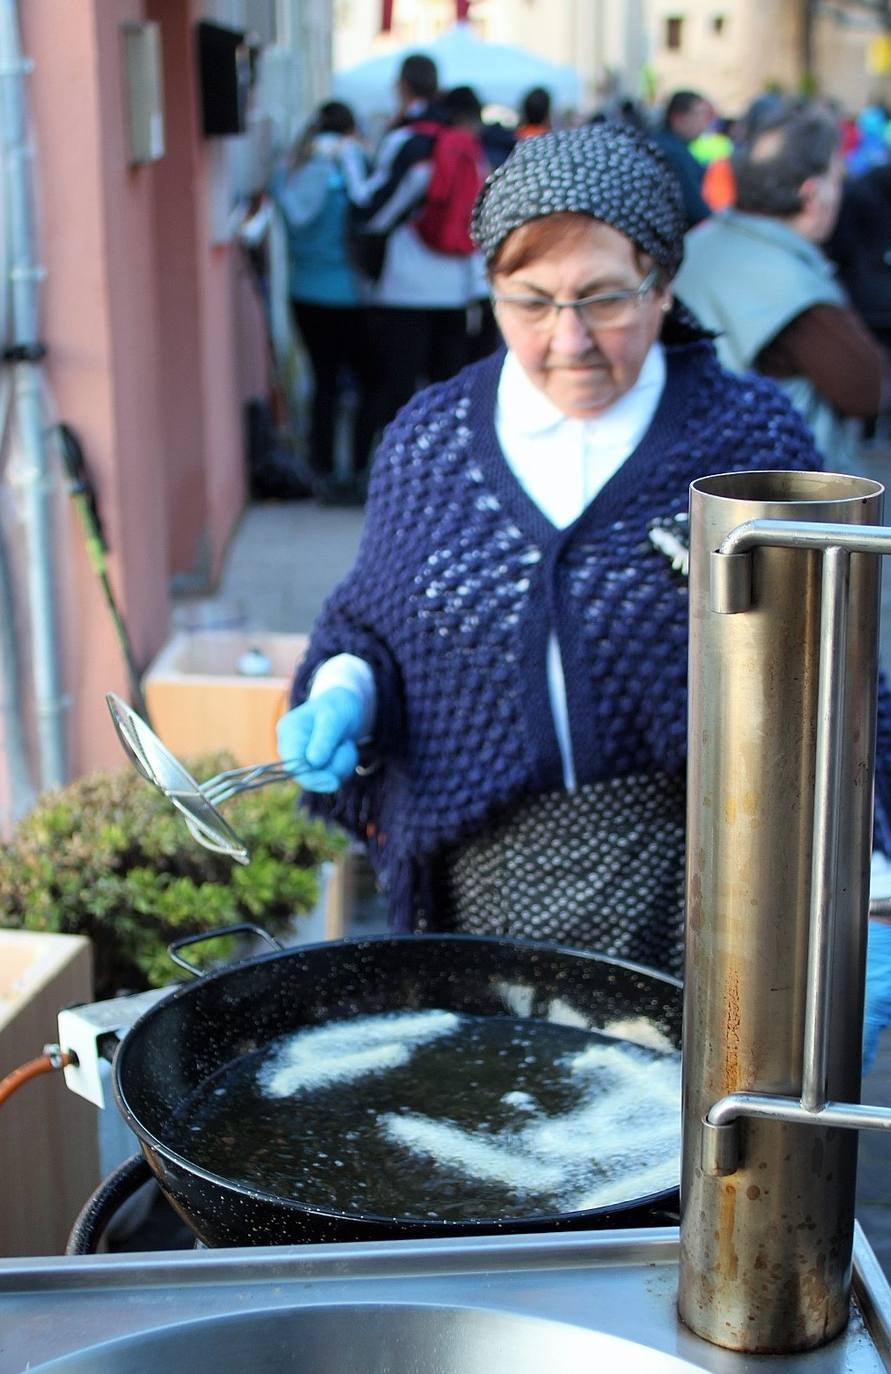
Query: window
(674,28)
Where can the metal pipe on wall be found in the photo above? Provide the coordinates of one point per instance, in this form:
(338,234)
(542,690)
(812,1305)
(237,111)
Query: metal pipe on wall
(36,481)
(17,796)
(766,1249)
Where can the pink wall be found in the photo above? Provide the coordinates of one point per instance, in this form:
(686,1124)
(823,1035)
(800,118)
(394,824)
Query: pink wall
(209,329)
(101,349)
(221,393)
(177,247)
(141,317)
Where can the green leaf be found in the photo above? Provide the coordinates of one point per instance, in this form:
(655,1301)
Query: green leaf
(109,858)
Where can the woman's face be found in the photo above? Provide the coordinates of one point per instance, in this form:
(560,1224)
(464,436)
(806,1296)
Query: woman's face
(583,370)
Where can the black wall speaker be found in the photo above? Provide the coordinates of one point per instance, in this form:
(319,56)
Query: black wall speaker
(224,78)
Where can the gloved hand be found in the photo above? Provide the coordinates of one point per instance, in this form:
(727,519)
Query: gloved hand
(321,737)
(878,988)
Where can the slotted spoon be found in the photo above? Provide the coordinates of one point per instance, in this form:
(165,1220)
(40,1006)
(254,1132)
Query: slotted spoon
(197,801)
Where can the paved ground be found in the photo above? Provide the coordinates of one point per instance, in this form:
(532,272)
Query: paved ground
(282,561)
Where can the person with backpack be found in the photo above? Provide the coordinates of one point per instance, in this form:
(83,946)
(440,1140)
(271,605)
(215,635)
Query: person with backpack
(412,240)
(465,110)
(324,289)
(464,107)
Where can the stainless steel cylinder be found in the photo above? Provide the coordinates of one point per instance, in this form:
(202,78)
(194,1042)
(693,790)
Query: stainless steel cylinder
(766,1251)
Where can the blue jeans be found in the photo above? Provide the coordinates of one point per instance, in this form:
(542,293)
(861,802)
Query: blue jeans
(878,989)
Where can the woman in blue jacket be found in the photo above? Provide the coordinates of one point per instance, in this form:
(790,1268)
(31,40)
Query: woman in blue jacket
(324,288)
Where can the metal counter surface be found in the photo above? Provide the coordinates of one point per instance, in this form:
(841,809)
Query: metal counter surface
(515,1302)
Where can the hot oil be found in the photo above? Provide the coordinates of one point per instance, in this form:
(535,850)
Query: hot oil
(436,1116)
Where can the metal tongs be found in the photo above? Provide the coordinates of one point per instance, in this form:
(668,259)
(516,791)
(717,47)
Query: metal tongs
(198,801)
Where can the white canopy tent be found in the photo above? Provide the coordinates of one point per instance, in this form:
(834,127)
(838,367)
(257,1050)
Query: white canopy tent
(500,75)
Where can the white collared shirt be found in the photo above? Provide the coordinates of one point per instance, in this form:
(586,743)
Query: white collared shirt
(561,463)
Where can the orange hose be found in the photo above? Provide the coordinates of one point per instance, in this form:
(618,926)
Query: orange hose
(45,1063)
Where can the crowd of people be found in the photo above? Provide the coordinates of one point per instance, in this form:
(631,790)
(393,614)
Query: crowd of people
(387,290)
(494,700)
(389,293)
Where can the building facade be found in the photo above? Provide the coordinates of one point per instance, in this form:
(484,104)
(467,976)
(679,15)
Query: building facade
(731,50)
(603,39)
(152,320)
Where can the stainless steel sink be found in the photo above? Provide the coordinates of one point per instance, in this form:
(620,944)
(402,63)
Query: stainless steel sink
(551,1304)
(371,1339)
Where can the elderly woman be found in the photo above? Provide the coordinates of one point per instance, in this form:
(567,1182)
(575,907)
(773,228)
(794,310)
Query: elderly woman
(494,699)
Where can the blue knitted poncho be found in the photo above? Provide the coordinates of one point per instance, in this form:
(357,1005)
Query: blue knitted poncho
(460,579)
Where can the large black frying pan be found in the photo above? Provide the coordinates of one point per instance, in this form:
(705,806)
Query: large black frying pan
(209,1023)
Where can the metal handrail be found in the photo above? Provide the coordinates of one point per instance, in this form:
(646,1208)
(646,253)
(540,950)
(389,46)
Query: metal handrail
(730,593)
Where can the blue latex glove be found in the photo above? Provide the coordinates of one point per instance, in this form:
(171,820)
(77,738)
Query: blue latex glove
(321,737)
(878,988)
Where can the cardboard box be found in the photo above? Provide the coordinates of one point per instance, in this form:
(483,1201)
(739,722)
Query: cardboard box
(49,1152)
(199,702)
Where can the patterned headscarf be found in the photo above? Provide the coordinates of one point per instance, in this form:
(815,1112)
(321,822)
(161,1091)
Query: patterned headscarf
(609,171)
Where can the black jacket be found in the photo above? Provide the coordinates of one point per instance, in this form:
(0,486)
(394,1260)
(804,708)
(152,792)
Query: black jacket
(861,246)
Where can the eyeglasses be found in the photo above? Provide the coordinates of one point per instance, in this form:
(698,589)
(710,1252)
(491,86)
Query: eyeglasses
(610,310)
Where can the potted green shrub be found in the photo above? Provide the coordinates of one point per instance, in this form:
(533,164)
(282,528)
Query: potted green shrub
(110,858)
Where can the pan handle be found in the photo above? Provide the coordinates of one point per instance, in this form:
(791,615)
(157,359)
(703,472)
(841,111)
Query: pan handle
(245,929)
